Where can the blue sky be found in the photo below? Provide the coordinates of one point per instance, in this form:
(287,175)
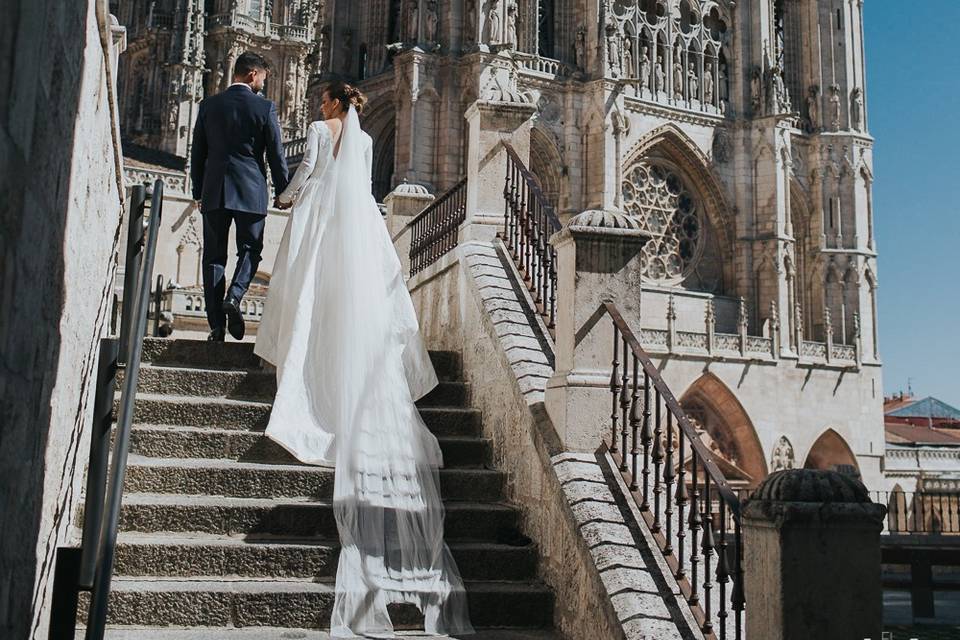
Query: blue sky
(913,101)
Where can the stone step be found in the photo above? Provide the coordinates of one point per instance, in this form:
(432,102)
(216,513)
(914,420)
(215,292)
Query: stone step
(274,633)
(246,384)
(239,355)
(146,555)
(289,517)
(164,441)
(199,476)
(299,604)
(223,413)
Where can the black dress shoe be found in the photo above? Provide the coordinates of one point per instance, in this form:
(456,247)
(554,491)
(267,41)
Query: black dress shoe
(216,335)
(231,307)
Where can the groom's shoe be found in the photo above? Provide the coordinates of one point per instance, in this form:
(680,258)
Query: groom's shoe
(231,307)
(217,335)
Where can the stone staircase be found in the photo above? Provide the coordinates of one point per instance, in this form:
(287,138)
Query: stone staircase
(222,530)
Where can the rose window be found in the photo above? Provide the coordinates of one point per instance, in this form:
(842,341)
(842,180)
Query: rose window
(656,195)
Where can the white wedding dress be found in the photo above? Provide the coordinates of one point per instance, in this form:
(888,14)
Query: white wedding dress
(340,327)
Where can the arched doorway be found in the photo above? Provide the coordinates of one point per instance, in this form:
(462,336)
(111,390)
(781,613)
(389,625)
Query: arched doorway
(830,451)
(727,430)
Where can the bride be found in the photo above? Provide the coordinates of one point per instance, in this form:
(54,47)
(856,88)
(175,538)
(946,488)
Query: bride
(341,330)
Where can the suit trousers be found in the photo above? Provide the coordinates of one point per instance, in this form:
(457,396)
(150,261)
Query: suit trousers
(216,235)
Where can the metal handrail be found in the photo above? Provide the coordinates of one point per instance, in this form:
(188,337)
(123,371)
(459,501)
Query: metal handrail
(434,230)
(109,523)
(645,457)
(529,222)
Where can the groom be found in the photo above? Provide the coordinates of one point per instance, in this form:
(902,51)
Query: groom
(234,129)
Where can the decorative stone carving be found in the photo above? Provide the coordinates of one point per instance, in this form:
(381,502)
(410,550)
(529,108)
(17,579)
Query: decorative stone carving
(470,21)
(644,69)
(708,84)
(613,51)
(677,77)
(605,219)
(778,99)
(721,146)
(413,20)
(628,70)
(501,85)
(511,35)
(694,82)
(813,108)
(835,107)
(856,108)
(580,49)
(660,76)
(494,26)
(756,90)
(433,20)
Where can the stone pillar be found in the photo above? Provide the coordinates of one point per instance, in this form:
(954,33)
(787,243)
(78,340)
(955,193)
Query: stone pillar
(598,258)
(489,123)
(811,559)
(403,204)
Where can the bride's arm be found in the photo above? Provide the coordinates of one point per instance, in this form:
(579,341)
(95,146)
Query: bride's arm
(306,165)
(368,157)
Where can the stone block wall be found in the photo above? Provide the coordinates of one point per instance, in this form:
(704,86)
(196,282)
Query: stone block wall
(60,221)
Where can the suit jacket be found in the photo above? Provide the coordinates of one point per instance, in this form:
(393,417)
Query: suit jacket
(234,129)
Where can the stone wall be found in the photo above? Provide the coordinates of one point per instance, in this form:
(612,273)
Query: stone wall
(59,227)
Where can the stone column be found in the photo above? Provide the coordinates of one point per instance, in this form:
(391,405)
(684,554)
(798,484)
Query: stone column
(811,544)
(598,258)
(403,204)
(489,123)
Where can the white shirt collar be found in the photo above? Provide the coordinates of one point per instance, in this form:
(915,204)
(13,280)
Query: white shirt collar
(240,84)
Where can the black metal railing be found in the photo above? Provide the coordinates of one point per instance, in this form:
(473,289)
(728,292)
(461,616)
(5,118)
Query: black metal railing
(103,501)
(927,513)
(689,507)
(434,231)
(530,221)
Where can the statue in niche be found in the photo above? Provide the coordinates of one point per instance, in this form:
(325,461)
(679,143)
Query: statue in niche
(511,38)
(835,107)
(660,76)
(470,23)
(677,77)
(778,100)
(644,69)
(708,84)
(783,456)
(493,21)
(721,146)
(613,50)
(433,20)
(756,91)
(628,70)
(856,107)
(217,77)
(813,108)
(694,82)
(580,48)
(173,104)
(413,20)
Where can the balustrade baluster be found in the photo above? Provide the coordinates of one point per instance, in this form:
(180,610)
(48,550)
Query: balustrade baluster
(694,523)
(624,408)
(723,573)
(634,422)
(707,546)
(681,501)
(657,456)
(739,602)
(669,473)
(614,389)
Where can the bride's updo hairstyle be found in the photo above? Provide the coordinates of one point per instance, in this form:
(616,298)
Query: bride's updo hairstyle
(345,93)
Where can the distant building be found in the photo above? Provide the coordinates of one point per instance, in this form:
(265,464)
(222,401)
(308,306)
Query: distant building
(923,445)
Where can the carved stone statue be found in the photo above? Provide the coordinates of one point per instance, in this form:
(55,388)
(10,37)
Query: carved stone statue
(694,82)
(813,108)
(644,69)
(723,86)
(835,107)
(217,77)
(628,70)
(433,20)
(470,21)
(660,76)
(493,22)
(708,84)
(413,20)
(783,456)
(856,107)
(511,38)
(756,90)
(580,48)
(613,50)
(677,78)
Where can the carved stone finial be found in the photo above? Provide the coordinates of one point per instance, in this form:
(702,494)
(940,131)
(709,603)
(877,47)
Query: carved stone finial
(810,485)
(604,219)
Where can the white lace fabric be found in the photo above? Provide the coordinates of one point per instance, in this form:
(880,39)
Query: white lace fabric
(340,327)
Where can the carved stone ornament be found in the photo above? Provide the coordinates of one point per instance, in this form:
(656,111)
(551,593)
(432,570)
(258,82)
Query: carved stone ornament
(783,456)
(721,146)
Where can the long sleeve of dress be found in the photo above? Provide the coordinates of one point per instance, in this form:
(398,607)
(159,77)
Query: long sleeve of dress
(306,164)
(368,158)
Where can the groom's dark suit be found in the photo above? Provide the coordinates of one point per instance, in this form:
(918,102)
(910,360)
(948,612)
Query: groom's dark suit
(234,129)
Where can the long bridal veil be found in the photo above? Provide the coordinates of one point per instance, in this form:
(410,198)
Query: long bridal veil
(362,367)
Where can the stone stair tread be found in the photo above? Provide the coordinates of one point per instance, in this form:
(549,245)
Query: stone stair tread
(284,585)
(176,499)
(274,633)
(198,400)
(453,438)
(134,459)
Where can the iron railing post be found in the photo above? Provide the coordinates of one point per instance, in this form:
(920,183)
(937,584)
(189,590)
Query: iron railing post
(131,269)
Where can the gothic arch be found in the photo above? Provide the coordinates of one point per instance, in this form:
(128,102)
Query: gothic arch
(711,403)
(380,123)
(546,164)
(671,144)
(831,451)
(898,510)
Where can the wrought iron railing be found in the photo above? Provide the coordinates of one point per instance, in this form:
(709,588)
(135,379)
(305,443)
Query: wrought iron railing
(683,497)
(925,513)
(434,231)
(102,502)
(530,221)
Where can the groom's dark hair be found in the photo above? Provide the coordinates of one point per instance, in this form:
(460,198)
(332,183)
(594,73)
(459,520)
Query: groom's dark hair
(249,61)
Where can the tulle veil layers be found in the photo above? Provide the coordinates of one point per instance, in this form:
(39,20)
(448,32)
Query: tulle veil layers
(340,327)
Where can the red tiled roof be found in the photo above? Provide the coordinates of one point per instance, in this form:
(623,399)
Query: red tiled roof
(898,433)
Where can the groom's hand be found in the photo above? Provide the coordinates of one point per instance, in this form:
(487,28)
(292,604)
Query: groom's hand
(280,205)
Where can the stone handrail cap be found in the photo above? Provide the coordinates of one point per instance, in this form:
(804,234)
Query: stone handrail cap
(604,218)
(810,485)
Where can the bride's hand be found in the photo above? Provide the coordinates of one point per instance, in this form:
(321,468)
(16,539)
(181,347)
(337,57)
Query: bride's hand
(279,204)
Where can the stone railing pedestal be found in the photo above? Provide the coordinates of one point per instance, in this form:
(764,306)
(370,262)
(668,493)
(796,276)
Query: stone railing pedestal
(598,259)
(403,204)
(812,558)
